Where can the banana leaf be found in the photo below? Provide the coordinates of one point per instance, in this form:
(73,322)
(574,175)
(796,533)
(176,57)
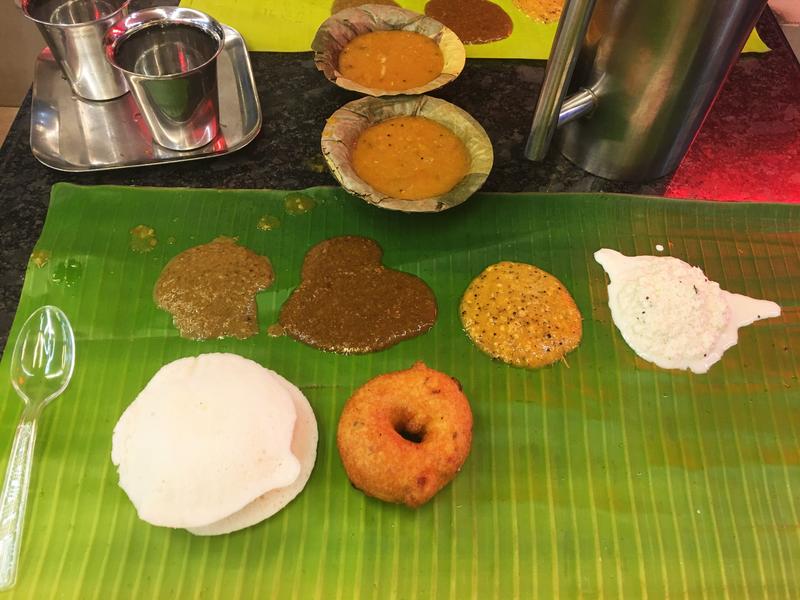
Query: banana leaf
(602,476)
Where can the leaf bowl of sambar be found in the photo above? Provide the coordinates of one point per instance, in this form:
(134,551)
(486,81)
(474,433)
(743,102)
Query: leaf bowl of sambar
(407,153)
(382,50)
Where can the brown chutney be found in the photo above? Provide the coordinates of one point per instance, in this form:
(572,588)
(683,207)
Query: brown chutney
(210,289)
(473,21)
(348,302)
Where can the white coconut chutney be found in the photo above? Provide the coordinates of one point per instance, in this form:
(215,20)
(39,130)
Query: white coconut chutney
(669,312)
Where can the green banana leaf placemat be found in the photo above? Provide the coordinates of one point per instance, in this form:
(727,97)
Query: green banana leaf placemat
(603,477)
(271,25)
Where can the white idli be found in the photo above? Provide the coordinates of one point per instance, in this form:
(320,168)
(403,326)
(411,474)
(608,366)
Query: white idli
(204,438)
(304,447)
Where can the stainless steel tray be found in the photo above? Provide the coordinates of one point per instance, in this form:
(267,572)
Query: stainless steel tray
(71,134)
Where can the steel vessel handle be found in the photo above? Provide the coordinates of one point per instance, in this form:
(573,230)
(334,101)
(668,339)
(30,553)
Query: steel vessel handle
(563,56)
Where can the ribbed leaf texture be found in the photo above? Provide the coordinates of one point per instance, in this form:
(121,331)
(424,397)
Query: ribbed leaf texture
(604,477)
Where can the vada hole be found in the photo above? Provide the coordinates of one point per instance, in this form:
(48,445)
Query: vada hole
(413,436)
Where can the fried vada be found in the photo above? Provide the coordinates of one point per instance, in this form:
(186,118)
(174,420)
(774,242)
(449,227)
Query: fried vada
(404,435)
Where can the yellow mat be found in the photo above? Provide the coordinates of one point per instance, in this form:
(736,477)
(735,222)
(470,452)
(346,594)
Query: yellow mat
(281,26)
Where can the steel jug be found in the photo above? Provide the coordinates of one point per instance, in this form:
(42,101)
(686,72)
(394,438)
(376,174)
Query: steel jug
(643,75)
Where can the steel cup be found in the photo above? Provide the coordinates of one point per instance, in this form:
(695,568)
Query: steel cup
(74,30)
(168,56)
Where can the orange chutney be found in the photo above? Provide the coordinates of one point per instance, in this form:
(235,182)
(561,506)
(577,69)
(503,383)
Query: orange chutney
(391,60)
(410,158)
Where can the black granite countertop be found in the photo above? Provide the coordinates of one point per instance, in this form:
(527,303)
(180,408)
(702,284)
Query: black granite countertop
(296,99)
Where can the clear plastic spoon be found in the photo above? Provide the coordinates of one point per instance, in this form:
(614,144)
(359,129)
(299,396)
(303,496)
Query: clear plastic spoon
(41,367)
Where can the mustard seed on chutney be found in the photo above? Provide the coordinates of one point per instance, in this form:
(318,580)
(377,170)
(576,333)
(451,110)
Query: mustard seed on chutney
(521,315)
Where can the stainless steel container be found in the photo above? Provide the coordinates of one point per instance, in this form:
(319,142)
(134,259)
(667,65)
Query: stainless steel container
(169,56)
(646,73)
(74,30)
